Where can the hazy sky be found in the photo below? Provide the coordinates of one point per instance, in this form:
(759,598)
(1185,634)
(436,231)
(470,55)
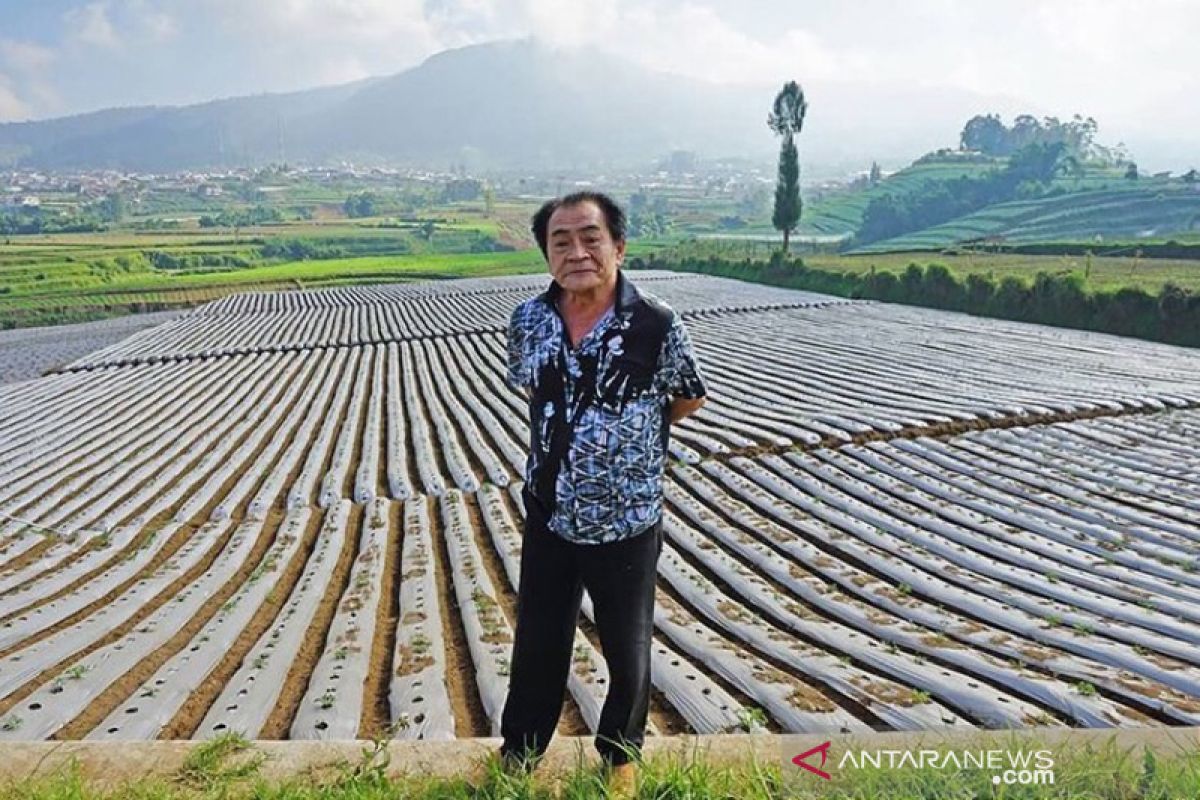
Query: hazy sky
(1132,64)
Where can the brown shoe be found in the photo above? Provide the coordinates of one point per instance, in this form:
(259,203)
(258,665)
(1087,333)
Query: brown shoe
(622,781)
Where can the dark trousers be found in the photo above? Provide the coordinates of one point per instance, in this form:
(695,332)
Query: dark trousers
(619,578)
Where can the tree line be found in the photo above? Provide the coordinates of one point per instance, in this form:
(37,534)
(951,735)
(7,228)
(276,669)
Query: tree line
(987,133)
(1171,315)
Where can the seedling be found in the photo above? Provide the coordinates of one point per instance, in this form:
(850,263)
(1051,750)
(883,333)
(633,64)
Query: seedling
(751,718)
(76,672)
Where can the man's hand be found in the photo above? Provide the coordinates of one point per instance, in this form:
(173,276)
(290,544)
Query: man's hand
(683,406)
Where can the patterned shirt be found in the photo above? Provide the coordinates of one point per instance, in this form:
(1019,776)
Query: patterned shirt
(616,386)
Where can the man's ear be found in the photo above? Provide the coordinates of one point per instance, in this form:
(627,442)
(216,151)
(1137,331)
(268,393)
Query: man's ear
(619,245)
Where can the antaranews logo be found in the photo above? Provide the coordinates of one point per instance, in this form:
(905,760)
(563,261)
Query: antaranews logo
(1009,767)
(802,760)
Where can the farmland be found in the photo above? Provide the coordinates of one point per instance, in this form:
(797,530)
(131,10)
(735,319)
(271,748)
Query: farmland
(1121,214)
(297,515)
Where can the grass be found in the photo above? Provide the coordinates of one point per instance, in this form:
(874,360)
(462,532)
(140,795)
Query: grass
(132,292)
(1101,273)
(76,277)
(230,768)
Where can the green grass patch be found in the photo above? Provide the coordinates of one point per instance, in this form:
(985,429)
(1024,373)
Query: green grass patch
(230,768)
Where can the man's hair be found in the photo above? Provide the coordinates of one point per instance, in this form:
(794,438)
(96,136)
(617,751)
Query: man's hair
(614,217)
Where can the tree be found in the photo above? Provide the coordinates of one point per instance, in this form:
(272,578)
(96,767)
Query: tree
(362,204)
(875,175)
(1190,176)
(112,208)
(1131,172)
(786,119)
(987,134)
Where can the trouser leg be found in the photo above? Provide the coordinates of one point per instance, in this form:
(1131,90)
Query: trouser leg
(547,614)
(620,579)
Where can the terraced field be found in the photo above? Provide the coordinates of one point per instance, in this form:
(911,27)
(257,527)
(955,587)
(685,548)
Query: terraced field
(298,516)
(1113,214)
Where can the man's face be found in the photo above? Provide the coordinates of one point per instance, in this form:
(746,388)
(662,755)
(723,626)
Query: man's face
(581,252)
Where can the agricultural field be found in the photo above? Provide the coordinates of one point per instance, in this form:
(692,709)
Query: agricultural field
(297,515)
(842,212)
(1099,273)
(29,352)
(74,278)
(1122,214)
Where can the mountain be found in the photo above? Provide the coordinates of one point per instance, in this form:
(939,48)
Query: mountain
(237,131)
(503,104)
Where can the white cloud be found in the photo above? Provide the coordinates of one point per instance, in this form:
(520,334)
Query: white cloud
(151,23)
(12,107)
(694,40)
(302,43)
(28,57)
(571,24)
(90,24)
(27,87)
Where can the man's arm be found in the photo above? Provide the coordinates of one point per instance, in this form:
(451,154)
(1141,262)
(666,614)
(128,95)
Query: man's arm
(517,371)
(684,383)
(684,406)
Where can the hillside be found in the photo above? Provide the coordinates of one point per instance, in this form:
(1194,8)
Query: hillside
(1152,210)
(949,198)
(842,212)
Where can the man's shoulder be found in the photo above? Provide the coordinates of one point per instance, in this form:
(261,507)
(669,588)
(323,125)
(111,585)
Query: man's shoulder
(656,308)
(529,309)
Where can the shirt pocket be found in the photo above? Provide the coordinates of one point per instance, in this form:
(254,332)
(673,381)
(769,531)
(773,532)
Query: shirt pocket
(630,378)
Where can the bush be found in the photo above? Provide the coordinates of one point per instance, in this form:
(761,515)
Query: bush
(1173,315)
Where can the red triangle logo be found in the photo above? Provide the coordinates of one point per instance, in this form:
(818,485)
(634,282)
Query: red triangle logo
(823,749)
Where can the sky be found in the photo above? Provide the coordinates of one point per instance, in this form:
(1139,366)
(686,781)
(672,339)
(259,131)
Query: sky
(1131,64)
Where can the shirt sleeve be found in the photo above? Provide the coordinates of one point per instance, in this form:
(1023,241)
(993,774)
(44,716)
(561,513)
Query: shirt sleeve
(679,367)
(517,375)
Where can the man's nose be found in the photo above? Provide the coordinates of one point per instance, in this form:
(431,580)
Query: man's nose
(577,250)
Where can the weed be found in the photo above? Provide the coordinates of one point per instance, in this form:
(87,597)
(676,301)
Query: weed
(207,767)
(751,718)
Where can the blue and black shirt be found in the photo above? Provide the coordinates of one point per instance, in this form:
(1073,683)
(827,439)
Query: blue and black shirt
(599,413)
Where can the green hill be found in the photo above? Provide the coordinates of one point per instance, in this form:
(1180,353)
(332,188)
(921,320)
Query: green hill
(842,212)
(1149,210)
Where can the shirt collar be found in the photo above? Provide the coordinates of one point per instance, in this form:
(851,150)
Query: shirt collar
(627,293)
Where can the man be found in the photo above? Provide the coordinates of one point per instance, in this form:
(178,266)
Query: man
(607,369)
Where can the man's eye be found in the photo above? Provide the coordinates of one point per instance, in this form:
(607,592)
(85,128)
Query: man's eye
(592,241)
